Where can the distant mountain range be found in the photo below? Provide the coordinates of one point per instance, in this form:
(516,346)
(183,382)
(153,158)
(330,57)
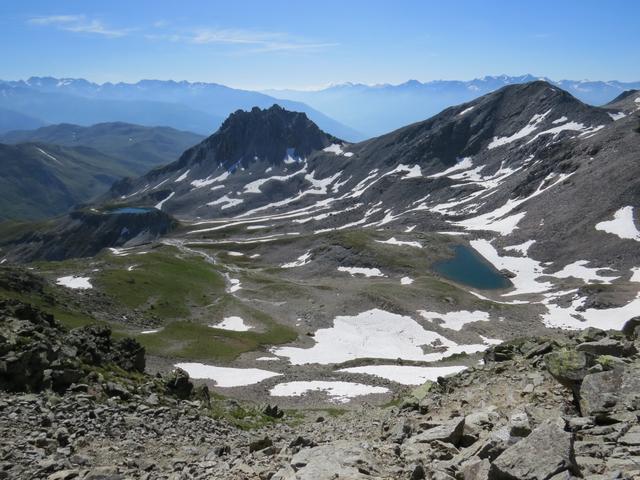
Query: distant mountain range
(378,109)
(349,111)
(195,107)
(49,170)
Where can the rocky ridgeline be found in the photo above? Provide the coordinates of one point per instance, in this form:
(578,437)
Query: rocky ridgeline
(77,405)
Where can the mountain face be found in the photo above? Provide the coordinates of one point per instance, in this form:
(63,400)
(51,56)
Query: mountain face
(256,141)
(40,180)
(379,109)
(196,107)
(525,165)
(138,148)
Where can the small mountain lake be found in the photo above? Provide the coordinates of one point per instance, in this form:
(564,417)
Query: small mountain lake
(130,210)
(469,268)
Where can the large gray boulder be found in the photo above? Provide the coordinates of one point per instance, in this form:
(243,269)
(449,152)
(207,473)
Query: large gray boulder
(568,366)
(543,454)
(616,390)
(341,459)
(608,346)
(448,432)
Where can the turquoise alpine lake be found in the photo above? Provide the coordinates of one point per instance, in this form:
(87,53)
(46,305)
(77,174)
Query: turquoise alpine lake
(470,268)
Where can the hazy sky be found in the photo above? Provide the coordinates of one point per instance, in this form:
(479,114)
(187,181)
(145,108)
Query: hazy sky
(304,43)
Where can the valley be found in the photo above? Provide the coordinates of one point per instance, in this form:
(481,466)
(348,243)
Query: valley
(274,275)
(380,264)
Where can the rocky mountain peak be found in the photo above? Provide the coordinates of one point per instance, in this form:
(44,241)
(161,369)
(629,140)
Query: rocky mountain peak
(272,135)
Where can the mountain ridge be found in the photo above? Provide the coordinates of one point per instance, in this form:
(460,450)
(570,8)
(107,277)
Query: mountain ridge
(378,109)
(198,107)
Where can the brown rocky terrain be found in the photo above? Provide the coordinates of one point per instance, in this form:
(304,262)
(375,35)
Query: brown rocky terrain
(78,405)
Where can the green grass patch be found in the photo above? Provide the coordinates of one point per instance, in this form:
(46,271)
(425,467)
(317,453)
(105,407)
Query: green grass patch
(162,283)
(191,340)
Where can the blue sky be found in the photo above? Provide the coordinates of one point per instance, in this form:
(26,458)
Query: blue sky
(304,43)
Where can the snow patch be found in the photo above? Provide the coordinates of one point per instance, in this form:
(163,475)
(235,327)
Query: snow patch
(523,132)
(226,202)
(579,270)
(572,319)
(182,177)
(203,182)
(226,376)
(522,248)
(466,110)
(617,116)
(404,374)
(463,164)
(76,283)
(373,334)
(149,332)
(367,272)
(302,260)
(406,281)
(235,324)
(622,225)
(161,202)
(393,241)
(455,320)
(338,392)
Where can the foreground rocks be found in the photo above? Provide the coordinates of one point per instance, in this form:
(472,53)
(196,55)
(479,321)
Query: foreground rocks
(537,409)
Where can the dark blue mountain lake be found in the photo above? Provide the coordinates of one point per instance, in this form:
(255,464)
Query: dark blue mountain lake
(469,268)
(130,210)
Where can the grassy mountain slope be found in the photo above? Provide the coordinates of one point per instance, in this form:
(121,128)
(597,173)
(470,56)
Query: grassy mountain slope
(40,180)
(139,148)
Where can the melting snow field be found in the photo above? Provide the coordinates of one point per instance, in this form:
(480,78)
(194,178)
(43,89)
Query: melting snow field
(622,225)
(235,324)
(405,374)
(226,376)
(455,320)
(76,283)
(393,241)
(580,270)
(373,334)
(339,392)
(367,272)
(337,149)
(406,281)
(302,260)
(523,132)
(570,318)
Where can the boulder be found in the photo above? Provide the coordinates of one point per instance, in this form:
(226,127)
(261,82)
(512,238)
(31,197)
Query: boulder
(631,328)
(260,444)
(519,424)
(611,391)
(448,432)
(341,459)
(130,355)
(547,451)
(591,334)
(608,346)
(178,383)
(476,469)
(568,366)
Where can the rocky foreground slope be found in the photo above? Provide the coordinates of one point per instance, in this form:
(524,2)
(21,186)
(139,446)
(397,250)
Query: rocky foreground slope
(77,405)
